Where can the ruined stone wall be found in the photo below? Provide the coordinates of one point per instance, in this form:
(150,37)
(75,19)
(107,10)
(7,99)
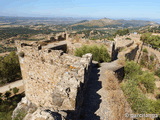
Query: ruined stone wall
(132,54)
(52,78)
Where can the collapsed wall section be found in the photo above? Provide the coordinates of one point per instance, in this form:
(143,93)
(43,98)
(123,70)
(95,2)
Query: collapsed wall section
(53,79)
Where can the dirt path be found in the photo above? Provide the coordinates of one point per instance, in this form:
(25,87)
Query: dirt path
(18,84)
(104,99)
(92,98)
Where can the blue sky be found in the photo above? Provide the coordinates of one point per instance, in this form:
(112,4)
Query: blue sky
(82,8)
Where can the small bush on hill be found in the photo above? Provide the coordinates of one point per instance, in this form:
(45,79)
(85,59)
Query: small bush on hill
(152,58)
(145,50)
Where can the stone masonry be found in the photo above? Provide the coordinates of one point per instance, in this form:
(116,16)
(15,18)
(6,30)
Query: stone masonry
(52,78)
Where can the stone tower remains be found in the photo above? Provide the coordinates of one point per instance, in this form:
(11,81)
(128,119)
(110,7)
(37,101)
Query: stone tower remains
(54,81)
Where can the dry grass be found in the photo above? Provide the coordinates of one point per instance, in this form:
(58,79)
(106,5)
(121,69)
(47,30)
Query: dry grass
(116,99)
(122,61)
(111,82)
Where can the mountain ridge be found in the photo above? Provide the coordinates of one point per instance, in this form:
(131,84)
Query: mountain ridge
(119,23)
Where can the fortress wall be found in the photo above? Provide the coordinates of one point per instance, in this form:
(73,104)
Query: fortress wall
(132,54)
(52,78)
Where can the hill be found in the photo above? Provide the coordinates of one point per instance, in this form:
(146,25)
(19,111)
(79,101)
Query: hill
(98,23)
(102,23)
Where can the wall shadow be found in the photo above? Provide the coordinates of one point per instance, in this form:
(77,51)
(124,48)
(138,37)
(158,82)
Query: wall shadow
(92,99)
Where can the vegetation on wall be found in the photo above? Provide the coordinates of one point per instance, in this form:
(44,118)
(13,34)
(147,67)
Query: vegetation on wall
(99,53)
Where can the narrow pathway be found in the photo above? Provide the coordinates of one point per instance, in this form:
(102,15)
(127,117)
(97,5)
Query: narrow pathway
(92,98)
(17,84)
(104,100)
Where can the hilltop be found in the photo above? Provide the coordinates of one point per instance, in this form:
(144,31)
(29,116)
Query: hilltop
(99,23)
(105,22)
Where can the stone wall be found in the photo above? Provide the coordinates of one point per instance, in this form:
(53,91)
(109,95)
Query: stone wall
(52,78)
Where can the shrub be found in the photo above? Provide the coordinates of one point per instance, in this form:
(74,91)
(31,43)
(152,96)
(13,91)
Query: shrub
(151,57)
(157,72)
(20,115)
(99,53)
(8,105)
(134,77)
(143,63)
(136,98)
(151,66)
(7,94)
(145,50)
(128,38)
(6,116)
(153,40)
(156,105)
(122,32)
(15,90)
(132,69)
(148,80)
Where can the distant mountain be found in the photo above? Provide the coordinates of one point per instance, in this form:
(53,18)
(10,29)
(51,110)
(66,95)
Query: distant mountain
(38,20)
(112,23)
(98,23)
(82,21)
(74,22)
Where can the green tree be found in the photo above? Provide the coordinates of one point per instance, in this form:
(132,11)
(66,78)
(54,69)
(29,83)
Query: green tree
(9,68)
(99,53)
(122,32)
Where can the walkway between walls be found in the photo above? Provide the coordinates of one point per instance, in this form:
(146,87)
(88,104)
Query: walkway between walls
(104,100)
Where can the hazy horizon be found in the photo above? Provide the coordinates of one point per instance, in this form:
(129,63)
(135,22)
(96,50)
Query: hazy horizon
(83,18)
